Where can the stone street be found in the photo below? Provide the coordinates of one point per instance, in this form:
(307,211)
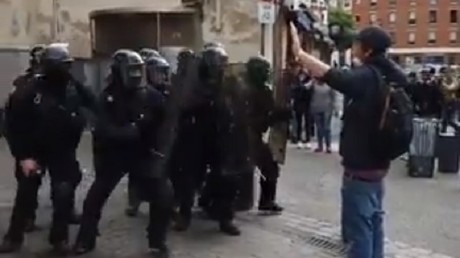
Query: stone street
(420,216)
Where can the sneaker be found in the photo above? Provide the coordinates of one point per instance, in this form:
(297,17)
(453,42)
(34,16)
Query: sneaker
(81,248)
(318,150)
(328,151)
(300,145)
(307,146)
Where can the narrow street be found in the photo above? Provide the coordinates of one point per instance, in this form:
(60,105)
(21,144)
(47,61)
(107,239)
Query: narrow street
(421,216)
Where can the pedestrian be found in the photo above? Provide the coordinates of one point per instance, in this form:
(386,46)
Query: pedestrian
(262,115)
(125,141)
(322,109)
(45,124)
(369,138)
(301,98)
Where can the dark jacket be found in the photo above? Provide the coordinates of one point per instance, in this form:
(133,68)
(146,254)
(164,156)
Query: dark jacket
(363,111)
(43,118)
(301,96)
(262,111)
(127,124)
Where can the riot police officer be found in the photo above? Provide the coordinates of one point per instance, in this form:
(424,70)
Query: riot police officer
(147,53)
(45,123)
(199,134)
(34,66)
(263,114)
(157,74)
(124,140)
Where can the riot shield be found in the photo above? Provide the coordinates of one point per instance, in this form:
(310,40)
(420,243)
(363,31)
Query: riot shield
(279,133)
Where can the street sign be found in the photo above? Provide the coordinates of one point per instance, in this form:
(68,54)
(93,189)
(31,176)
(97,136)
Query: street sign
(266,11)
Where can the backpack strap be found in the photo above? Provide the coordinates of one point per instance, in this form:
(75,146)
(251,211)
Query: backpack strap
(386,91)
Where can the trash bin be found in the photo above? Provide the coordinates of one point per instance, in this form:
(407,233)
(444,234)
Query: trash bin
(245,194)
(422,152)
(448,153)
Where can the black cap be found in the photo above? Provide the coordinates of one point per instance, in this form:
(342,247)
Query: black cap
(374,38)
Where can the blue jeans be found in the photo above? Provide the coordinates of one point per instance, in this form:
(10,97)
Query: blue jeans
(362,218)
(323,129)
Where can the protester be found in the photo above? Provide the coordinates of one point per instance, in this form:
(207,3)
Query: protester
(365,164)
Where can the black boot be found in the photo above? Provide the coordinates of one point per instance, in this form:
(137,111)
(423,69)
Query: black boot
(182,223)
(61,248)
(84,247)
(9,246)
(267,199)
(159,251)
(229,228)
(271,208)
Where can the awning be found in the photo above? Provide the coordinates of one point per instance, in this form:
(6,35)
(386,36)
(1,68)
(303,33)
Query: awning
(425,50)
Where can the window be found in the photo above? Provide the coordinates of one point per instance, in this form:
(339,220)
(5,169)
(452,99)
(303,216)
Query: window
(392,17)
(453,37)
(411,38)
(392,2)
(373,18)
(433,16)
(453,16)
(431,37)
(373,2)
(412,17)
(357,18)
(433,2)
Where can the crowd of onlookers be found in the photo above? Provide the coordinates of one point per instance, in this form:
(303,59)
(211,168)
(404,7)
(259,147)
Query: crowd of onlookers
(313,104)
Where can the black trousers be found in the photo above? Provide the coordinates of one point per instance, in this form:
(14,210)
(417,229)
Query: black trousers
(195,153)
(303,123)
(65,175)
(264,161)
(219,194)
(156,191)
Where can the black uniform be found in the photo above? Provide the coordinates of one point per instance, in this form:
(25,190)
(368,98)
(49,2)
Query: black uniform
(157,73)
(45,123)
(124,141)
(199,145)
(263,114)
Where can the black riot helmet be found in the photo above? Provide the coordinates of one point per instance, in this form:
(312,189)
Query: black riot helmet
(35,54)
(56,61)
(157,71)
(213,45)
(213,61)
(184,58)
(127,69)
(146,53)
(258,70)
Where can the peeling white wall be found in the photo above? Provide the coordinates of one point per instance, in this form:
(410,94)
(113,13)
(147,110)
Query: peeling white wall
(238,29)
(27,22)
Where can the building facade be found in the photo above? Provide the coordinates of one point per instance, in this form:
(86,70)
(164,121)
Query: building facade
(423,31)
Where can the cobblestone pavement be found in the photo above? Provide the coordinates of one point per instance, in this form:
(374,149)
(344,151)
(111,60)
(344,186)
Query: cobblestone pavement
(308,189)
